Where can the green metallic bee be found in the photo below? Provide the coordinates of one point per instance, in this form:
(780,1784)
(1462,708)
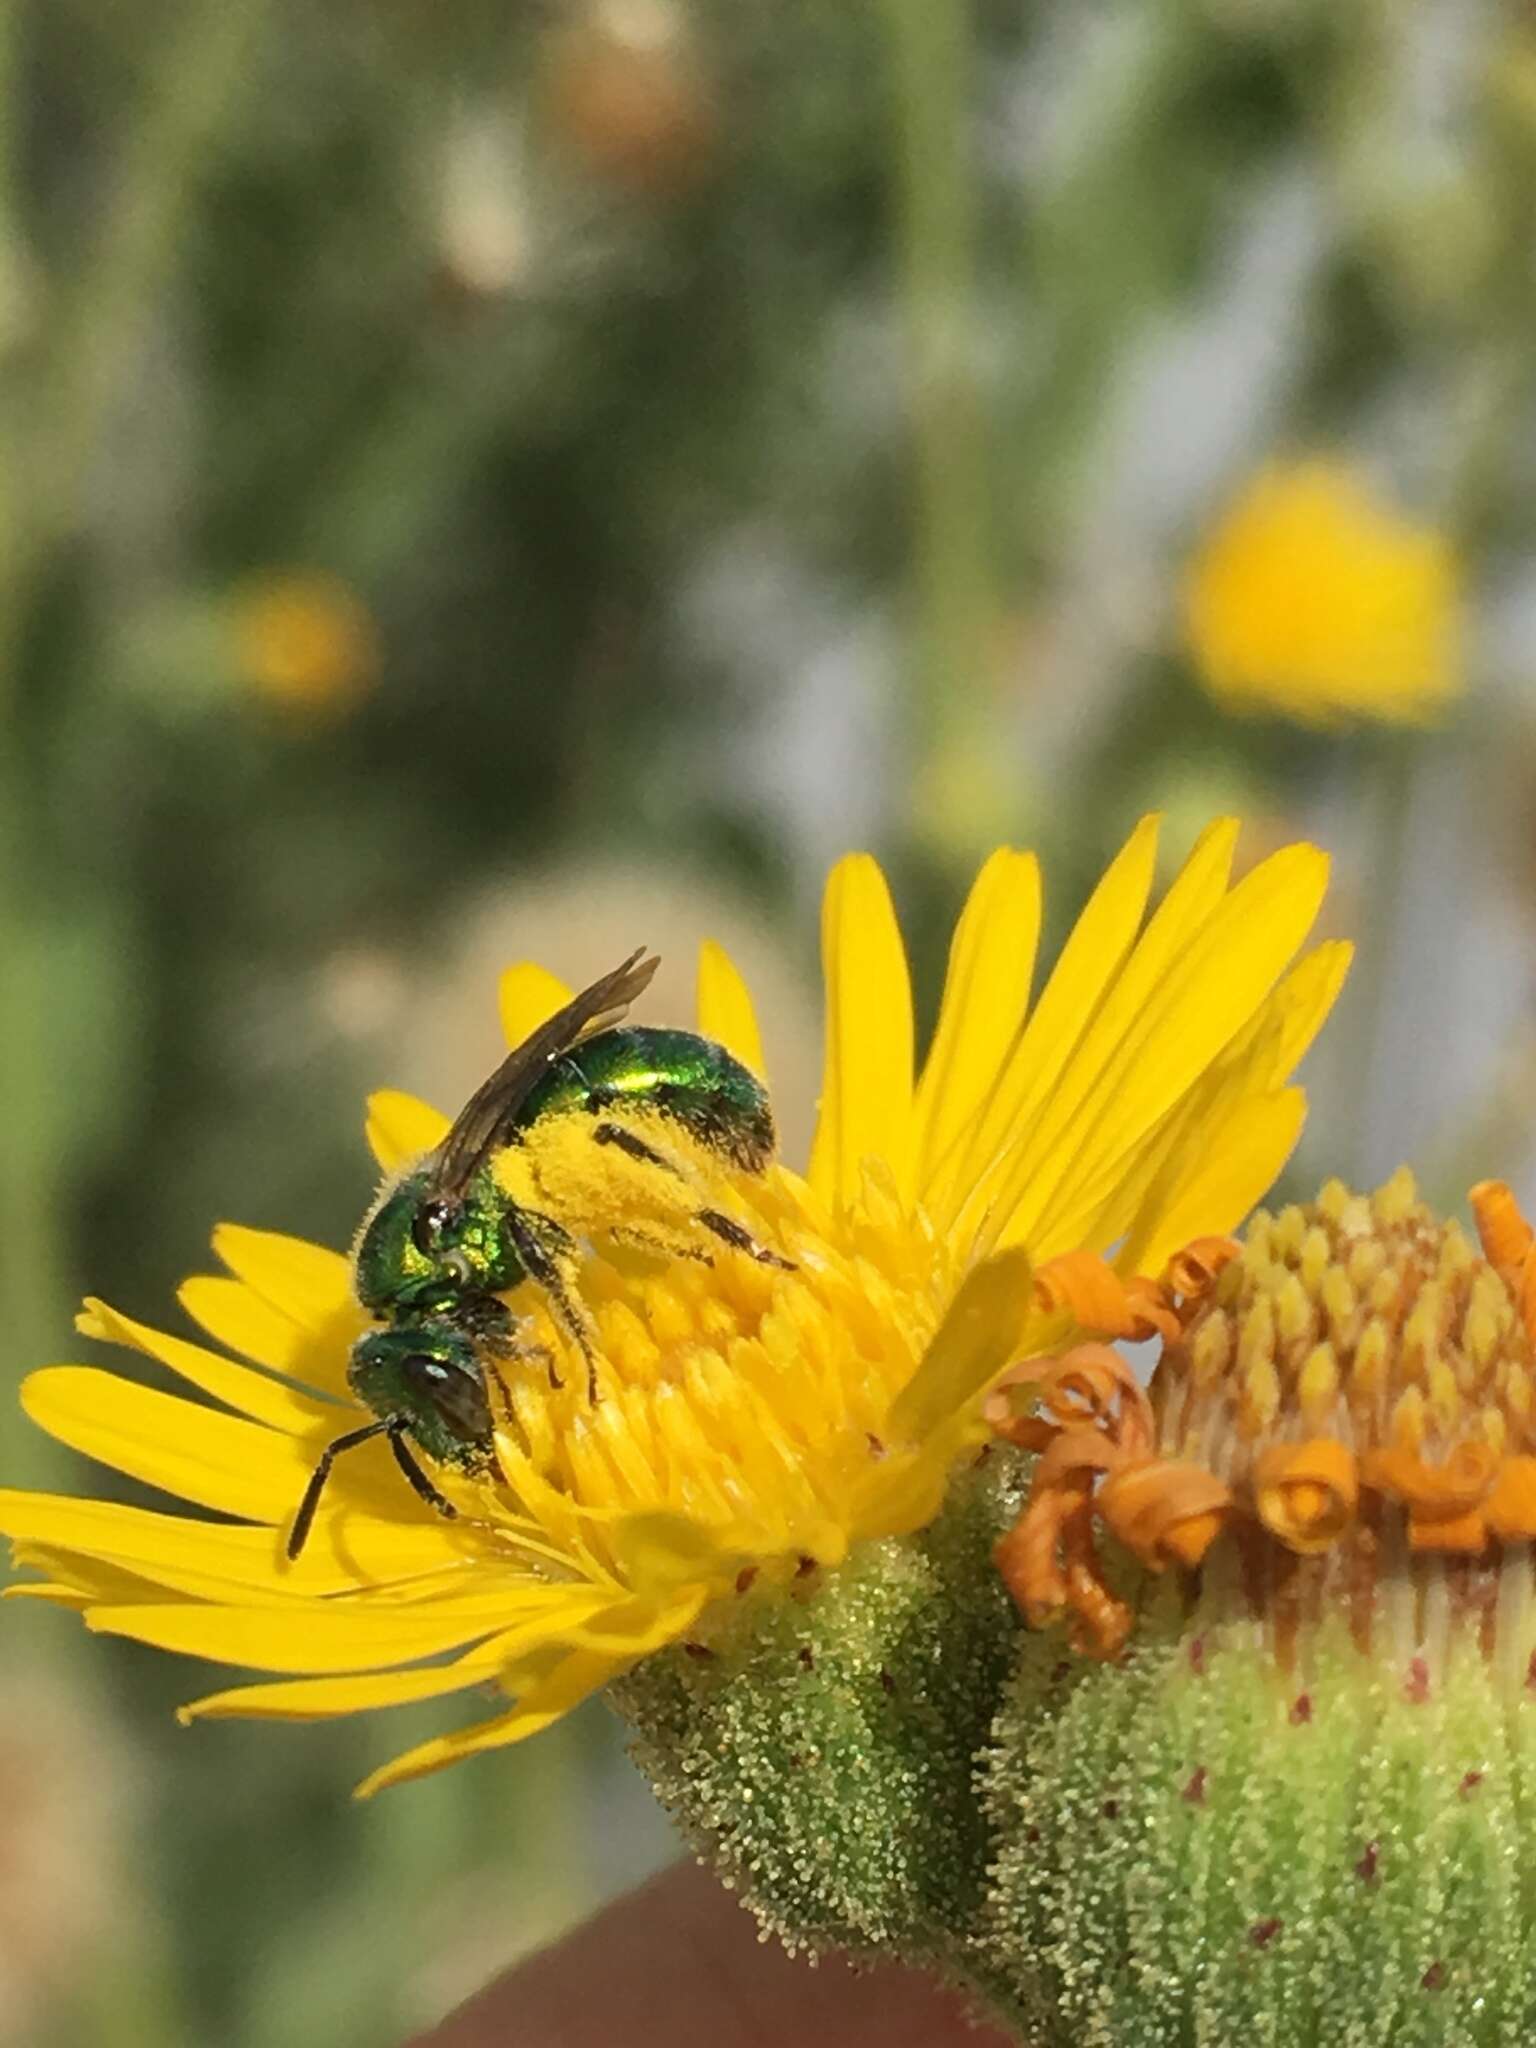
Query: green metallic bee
(448,1238)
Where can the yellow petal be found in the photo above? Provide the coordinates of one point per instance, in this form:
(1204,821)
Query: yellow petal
(866,1094)
(573,1680)
(1227,1139)
(240,1468)
(51,1596)
(661,1550)
(306,1282)
(345,1550)
(401,1128)
(1218,1188)
(527,996)
(978,1339)
(1305,998)
(725,1008)
(86,1579)
(313,1699)
(986,998)
(634,1628)
(1093,955)
(251,1393)
(1183,998)
(235,1315)
(334,1636)
(1211,1140)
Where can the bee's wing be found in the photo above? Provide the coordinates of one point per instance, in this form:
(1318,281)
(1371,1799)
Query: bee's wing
(483,1122)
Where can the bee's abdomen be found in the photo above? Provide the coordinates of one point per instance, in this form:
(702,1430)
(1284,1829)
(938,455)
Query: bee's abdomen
(675,1074)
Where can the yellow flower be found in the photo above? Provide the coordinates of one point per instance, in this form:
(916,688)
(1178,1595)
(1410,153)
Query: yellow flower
(304,640)
(753,1423)
(1313,599)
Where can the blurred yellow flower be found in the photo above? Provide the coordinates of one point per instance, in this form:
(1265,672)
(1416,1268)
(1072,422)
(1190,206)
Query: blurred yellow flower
(304,640)
(753,1423)
(1313,599)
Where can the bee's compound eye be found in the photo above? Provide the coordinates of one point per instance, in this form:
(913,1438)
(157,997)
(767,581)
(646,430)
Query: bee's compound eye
(423,1371)
(432,1223)
(454,1392)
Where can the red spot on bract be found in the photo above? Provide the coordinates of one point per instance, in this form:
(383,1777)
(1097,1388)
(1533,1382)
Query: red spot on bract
(887,1683)
(807,1661)
(805,1567)
(1263,1932)
(1031,1835)
(1470,1783)
(1301,1710)
(1416,1684)
(1197,1656)
(876,1448)
(701,1651)
(1111,1809)
(1433,1978)
(745,1577)
(1365,1869)
(1194,1791)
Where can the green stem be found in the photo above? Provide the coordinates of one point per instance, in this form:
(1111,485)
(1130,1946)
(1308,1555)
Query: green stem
(50,428)
(931,75)
(98,327)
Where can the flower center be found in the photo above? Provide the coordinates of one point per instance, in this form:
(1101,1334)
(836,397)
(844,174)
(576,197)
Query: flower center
(750,1398)
(1349,1403)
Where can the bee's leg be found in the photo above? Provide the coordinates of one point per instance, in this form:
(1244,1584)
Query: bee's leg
(634,1147)
(740,1239)
(488,1320)
(664,1247)
(543,1352)
(298,1535)
(540,1243)
(418,1479)
(494,1328)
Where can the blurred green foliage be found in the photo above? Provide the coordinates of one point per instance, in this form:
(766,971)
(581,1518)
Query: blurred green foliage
(694,403)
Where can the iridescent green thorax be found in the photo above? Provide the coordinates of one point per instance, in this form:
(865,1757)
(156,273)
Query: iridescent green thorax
(413,1258)
(678,1075)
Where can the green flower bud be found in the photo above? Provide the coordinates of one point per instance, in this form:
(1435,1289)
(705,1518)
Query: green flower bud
(1297,1806)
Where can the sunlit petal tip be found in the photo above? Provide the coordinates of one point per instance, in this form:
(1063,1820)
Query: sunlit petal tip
(725,1008)
(401,1128)
(527,996)
(866,1095)
(89,1319)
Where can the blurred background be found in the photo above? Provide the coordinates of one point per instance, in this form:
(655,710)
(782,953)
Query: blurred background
(480,481)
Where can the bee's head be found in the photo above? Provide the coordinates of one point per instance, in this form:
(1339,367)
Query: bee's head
(430,1374)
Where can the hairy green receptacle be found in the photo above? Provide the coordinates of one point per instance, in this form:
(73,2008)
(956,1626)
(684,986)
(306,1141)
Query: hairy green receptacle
(1194,1850)
(820,1748)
